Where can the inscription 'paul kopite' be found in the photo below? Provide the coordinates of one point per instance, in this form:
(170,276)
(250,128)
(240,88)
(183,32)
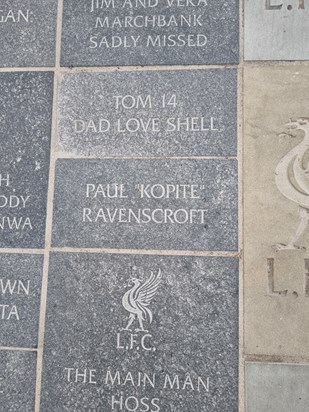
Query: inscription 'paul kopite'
(99,192)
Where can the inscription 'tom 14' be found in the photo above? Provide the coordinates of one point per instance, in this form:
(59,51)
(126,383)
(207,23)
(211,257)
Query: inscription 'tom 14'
(269,5)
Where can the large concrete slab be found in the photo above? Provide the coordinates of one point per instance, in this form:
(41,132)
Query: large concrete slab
(25,128)
(272,387)
(146,204)
(20,291)
(151,113)
(28,33)
(17,381)
(276,30)
(276,235)
(149,32)
(180,355)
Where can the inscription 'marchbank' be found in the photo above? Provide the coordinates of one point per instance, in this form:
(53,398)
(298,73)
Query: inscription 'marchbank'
(150,32)
(148,22)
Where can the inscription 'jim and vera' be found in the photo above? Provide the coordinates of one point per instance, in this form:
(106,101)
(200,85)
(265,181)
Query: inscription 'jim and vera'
(97,40)
(136,302)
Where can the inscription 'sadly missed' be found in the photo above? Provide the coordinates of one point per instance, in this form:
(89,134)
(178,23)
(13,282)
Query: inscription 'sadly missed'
(149,32)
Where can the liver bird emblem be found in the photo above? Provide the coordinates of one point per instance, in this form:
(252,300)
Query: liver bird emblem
(292,179)
(138,298)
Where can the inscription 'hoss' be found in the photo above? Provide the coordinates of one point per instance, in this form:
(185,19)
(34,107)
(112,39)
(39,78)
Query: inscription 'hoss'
(136,301)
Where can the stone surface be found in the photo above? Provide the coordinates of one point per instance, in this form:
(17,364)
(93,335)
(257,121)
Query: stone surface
(146,204)
(285,33)
(192,337)
(17,381)
(28,33)
(20,290)
(272,387)
(25,127)
(149,32)
(276,278)
(149,113)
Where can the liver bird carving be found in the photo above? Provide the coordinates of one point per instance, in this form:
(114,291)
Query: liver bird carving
(138,298)
(292,179)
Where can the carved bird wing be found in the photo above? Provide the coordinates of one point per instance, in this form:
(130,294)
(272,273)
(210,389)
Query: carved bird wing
(301,175)
(145,293)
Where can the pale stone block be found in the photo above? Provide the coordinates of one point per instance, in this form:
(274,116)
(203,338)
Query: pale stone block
(276,188)
(272,387)
(276,30)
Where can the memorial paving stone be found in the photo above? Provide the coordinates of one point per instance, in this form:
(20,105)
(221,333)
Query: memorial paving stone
(152,113)
(25,127)
(276,30)
(275,387)
(141,333)
(28,33)
(17,381)
(149,32)
(20,289)
(146,204)
(276,203)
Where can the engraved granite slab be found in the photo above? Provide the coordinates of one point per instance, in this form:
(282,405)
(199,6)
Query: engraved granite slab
(149,32)
(25,128)
(276,203)
(276,387)
(28,33)
(276,30)
(20,290)
(177,352)
(146,204)
(149,113)
(17,381)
